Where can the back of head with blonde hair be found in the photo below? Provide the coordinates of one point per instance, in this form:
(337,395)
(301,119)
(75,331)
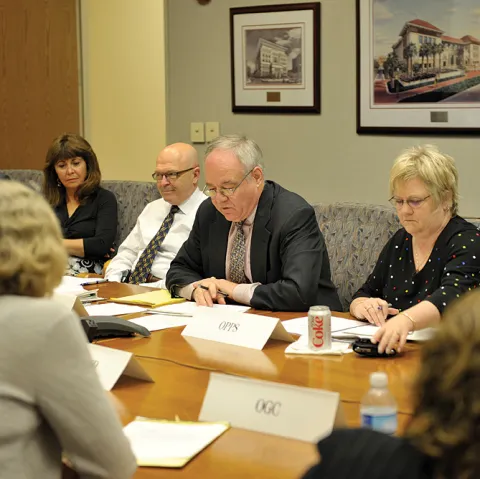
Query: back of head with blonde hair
(32,255)
(446,421)
(436,169)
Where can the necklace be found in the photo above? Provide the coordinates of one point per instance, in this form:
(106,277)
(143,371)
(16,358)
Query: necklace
(420,260)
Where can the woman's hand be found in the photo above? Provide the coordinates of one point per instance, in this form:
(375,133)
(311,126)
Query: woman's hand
(393,334)
(374,310)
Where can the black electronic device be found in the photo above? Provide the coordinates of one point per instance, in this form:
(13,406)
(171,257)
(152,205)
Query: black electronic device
(365,347)
(97,327)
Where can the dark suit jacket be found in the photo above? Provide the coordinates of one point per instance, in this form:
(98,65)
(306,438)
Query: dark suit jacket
(365,454)
(287,255)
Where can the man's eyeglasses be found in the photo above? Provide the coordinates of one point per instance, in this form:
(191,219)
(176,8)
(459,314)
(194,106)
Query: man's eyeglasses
(413,203)
(224,191)
(174,175)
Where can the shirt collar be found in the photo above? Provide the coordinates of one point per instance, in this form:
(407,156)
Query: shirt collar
(190,205)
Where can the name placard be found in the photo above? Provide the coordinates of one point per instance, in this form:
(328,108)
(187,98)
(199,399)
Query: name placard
(239,329)
(110,364)
(295,412)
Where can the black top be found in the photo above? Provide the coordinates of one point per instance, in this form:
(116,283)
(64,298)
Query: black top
(452,269)
(95,222)
(365,454)
(288,255)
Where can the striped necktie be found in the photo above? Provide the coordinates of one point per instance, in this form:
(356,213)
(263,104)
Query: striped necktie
(144,266)
(237,257)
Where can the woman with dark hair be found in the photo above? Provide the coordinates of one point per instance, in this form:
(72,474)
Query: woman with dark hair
(442,440)
(86,211)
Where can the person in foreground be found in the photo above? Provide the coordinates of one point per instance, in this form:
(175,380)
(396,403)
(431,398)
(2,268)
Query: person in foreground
(164,224)
(252,241)
(429,262)
(86,211)
(442,440)
(51,400)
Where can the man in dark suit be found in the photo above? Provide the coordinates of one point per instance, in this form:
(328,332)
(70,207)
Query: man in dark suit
(252,241)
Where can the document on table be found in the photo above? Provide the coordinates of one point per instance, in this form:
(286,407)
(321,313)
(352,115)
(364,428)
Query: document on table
(152,299)
(189,307)
(368,330)
(300,325)
(170,443)
(156,322)
(112,309)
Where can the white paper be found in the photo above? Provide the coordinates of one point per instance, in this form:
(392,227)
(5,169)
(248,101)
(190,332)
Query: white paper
(69,281)
(282,409)
(189,307)
(153,441)
(112,309)
(300,325)
(369,330)
(158,322)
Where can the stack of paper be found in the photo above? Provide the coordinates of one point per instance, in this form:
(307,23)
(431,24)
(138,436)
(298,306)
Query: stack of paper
(72,286)
(170,443)
(368,331)
(152,299)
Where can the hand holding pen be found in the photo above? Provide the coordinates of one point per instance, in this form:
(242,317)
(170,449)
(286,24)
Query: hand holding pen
(207,292)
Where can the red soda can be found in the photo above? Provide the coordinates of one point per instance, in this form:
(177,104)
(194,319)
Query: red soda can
(319,328)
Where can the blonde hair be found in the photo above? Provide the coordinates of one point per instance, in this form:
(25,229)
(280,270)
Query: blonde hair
(32,255)
(437,170)
(446,421)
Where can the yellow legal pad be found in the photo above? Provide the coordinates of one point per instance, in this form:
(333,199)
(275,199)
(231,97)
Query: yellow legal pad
(158,443)
(152,299)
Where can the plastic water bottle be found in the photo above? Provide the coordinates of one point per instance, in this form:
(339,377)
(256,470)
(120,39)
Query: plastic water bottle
(378,409)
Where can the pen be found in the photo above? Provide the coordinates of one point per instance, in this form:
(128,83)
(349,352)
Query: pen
(222,293)
(99,281)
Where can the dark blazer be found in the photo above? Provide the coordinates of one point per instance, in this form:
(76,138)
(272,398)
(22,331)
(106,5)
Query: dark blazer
(365,454)
(288,254)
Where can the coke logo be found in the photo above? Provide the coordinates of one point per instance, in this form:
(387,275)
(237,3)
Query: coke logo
(319,332)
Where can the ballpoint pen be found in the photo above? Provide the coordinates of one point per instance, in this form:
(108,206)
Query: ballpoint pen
(222,293)
(99,281)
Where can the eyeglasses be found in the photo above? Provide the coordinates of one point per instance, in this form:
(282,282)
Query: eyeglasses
(413,203)
(224,191)
(174,175)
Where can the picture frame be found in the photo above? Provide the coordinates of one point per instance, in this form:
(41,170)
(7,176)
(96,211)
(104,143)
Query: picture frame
(418,73)
(275,58)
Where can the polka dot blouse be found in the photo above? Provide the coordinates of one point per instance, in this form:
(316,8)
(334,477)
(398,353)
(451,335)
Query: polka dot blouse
(453,268)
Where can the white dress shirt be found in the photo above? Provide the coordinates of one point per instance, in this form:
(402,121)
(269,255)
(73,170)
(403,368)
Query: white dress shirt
(146,227)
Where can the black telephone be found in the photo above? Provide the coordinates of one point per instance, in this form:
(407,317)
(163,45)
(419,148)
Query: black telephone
(96,327)
(365,347)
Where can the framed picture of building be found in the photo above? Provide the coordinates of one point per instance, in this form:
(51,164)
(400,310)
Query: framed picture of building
(275,58)
(418,66)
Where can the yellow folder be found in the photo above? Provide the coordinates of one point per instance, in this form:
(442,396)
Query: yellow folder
(152,299)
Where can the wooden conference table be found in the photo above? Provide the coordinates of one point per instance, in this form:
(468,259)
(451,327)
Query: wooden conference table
(181,366)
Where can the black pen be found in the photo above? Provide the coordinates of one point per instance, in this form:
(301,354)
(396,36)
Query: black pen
(99,281)
(222,293)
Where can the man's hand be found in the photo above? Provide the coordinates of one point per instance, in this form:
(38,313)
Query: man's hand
(206,293)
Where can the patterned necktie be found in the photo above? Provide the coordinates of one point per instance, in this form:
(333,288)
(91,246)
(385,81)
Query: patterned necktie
(144,266)
(237,257)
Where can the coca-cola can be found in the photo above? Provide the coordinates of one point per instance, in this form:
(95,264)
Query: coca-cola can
(319,328)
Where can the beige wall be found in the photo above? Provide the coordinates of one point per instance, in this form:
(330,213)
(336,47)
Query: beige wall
(124,84)
(320,156)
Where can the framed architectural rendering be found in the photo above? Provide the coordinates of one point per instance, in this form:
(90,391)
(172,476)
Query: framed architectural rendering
(275,58)
(418,66)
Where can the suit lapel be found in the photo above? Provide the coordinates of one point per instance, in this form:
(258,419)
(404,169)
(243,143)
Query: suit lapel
(217,246)
(261,236)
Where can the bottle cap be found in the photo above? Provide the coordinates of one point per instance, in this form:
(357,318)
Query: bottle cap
(378,380)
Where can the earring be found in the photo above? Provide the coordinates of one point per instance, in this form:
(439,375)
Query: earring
(58,183)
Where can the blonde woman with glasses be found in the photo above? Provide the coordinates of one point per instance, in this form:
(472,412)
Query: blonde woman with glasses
(442,439)
(428,263)
(51,400)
